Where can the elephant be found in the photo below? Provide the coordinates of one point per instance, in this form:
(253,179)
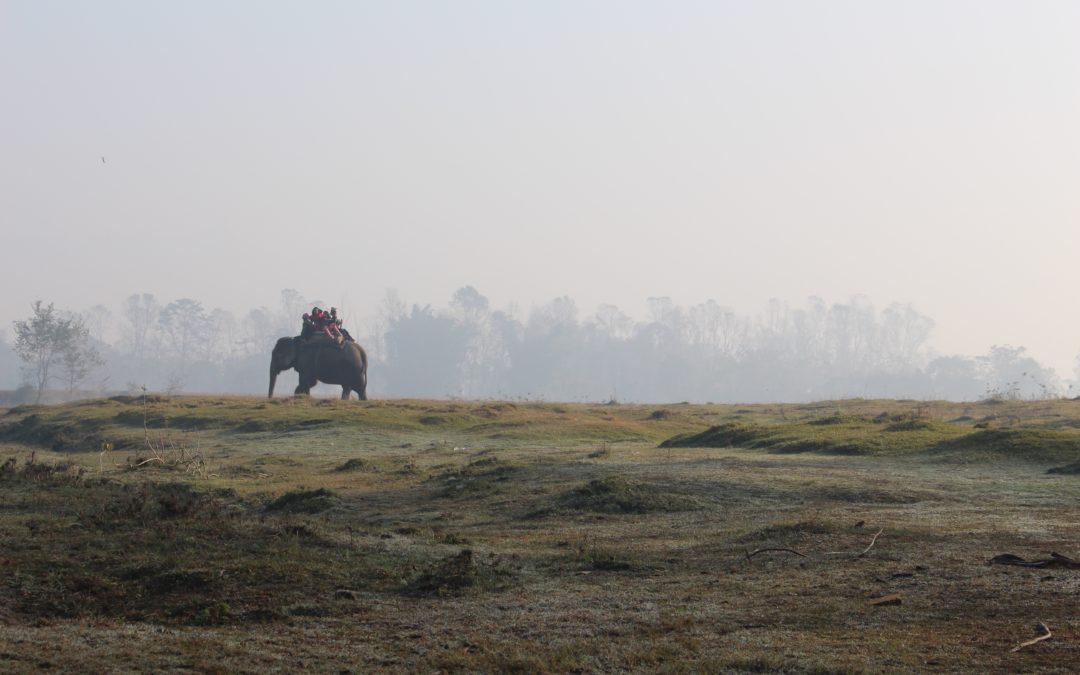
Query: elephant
(320,360)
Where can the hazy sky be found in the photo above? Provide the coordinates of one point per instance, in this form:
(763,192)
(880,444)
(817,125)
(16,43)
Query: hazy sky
(924,152)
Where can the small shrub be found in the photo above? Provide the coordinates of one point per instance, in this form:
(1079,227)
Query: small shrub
(216,614)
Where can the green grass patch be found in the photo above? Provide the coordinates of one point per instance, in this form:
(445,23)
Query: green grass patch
(1042,445)
(620,494)
(836,435)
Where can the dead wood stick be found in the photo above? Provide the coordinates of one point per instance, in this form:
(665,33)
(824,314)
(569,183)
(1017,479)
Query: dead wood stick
(872,542)
(1045,636)
(1065,561)
(751,554)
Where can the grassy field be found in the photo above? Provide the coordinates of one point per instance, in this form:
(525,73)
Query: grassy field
(250,535)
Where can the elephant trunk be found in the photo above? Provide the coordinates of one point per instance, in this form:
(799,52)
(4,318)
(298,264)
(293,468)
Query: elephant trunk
(273,379)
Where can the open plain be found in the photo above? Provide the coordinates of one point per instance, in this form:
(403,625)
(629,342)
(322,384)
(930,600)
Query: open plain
(211,534)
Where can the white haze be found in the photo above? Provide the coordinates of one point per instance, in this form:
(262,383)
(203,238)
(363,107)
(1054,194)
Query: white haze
(917,152)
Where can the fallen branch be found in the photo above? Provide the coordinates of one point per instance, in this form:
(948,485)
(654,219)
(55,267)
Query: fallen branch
(861,553)
(890,599)
(751,554)
(1055,560)
(872,542)
(1045,636)
(1064,561)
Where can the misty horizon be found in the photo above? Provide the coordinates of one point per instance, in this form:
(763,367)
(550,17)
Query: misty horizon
(917,153)
(469,349)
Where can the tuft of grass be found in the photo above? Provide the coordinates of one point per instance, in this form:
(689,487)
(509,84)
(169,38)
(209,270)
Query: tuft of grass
(602,559)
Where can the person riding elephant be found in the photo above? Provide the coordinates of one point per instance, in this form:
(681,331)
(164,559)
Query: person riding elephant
(319,361)
(319,321)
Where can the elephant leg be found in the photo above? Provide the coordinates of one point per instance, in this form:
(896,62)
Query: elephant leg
(344,393)
(305,385)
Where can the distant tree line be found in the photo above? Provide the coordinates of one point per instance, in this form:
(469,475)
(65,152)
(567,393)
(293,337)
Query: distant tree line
(704,352)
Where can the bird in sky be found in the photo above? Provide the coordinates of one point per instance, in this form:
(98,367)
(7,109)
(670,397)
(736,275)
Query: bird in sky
(102,160)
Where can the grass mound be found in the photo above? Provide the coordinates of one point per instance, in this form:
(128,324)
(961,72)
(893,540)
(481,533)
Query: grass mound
(618,494)
(459,574)
(31,469)
(774,439)
(834,435)
(783,534)
(1025,444)
(56,435)
(838,418)
(911,425)
(356,464)
(305,501)
(483,476)
(1067,470)
(727,435)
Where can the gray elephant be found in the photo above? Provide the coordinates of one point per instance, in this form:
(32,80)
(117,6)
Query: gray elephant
(320,360)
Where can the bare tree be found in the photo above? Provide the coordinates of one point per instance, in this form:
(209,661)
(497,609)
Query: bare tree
(48,341)
(141,312)
(98,320)
(79,359)
(257,332)
(221,336)
(184,323)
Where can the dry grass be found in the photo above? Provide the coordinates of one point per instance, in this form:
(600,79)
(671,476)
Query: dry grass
(330,536)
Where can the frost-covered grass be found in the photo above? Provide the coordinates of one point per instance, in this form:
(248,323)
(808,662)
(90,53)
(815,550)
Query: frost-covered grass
(321,535)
